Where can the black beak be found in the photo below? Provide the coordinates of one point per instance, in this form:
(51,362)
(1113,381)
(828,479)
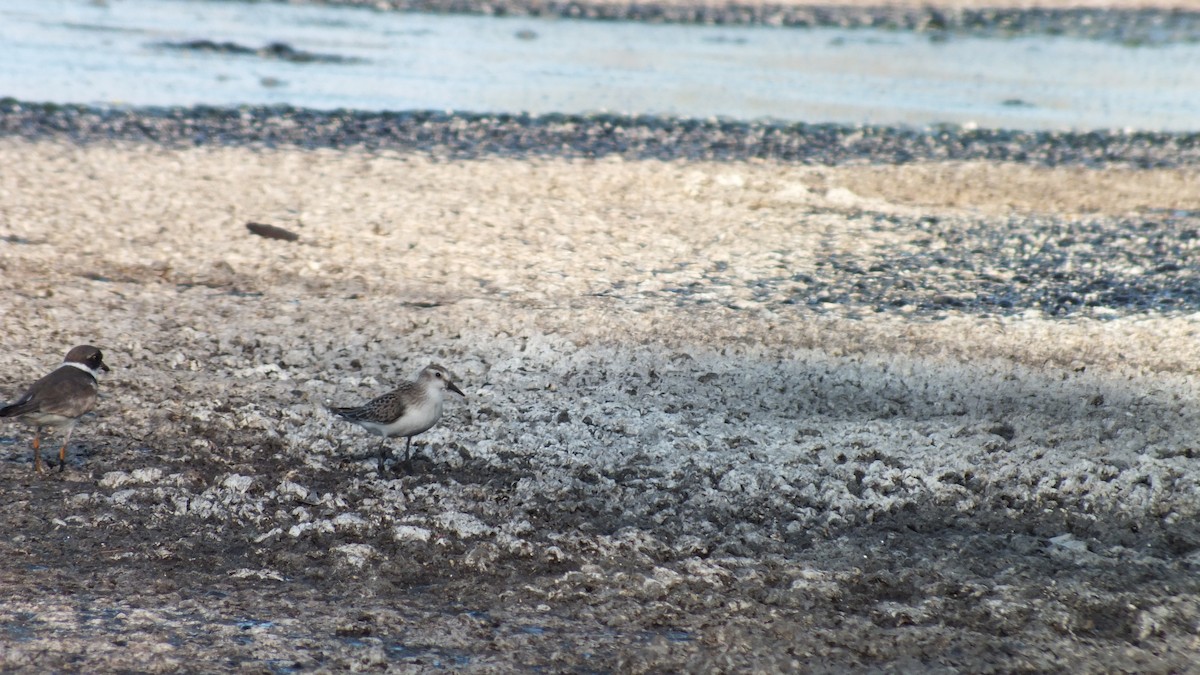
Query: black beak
(104,367)
(451,387)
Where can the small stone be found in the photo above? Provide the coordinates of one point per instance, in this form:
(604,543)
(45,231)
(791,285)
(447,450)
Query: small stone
(1003,430)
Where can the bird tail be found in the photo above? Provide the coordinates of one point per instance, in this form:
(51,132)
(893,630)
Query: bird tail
(351,414)
(19,408)
(23,405)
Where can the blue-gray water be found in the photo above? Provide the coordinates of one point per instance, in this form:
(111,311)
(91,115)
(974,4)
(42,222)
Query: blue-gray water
(71,51)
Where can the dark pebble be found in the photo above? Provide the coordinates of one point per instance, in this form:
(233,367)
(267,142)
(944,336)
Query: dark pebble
(272,232)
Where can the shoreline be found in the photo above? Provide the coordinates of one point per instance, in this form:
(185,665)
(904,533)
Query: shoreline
(473,136)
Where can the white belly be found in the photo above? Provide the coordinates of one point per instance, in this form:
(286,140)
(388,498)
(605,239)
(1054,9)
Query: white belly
(43,419)
(414,421)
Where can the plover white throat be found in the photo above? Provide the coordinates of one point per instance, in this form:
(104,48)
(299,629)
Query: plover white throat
(60,399)
(408,410)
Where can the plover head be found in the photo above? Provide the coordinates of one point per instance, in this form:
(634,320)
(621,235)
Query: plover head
(438,377)
(88,358)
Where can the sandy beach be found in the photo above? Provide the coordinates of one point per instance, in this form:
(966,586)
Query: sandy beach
(699,432)
(740,396)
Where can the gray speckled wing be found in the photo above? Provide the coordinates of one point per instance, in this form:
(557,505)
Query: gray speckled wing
(386,408)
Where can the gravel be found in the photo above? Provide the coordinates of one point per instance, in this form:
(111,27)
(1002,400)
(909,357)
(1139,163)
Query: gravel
(470,136)
(773,412)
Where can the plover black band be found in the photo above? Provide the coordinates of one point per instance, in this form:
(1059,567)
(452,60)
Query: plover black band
(60,399)
(406,411)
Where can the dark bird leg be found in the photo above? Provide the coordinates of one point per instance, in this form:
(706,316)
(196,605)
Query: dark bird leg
(37,449)
(408,455)
(382,454)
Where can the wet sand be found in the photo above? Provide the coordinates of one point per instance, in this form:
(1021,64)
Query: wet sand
(701,432)
(1133,23)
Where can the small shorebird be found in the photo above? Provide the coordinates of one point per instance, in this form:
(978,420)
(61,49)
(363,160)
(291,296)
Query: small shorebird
(408,410)
(60,399)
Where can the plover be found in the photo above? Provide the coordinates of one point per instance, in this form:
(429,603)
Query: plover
(408,410)
(60,399)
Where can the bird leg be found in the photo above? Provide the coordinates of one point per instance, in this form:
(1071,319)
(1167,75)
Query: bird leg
(382,454)
(408,455)
(62,452)
(37,445)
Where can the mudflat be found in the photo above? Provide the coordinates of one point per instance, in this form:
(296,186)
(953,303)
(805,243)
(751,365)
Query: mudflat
(737,415)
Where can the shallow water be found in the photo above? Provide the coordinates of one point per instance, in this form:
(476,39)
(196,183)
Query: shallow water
(113,53)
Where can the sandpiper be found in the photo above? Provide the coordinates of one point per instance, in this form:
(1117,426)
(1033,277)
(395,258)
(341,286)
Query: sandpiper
(408,410)
(60,399)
